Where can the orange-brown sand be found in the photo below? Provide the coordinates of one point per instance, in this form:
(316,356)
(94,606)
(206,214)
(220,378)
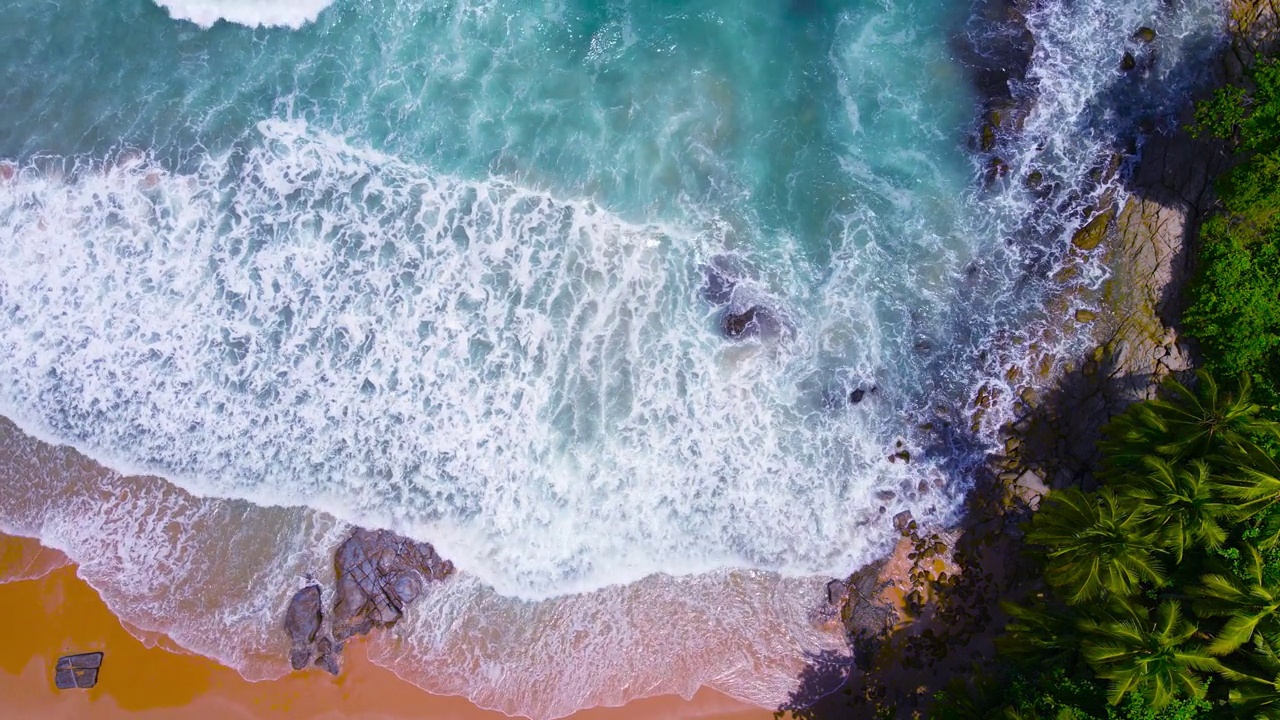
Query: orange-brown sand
(59,614)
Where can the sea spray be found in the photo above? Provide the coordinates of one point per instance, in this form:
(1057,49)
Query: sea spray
(215,575)
(254,13)
(528,383)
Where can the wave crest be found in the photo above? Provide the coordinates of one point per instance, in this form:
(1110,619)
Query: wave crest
(253,13)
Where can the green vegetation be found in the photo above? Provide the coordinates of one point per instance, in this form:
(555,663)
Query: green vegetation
(1235,298)
(1162,586)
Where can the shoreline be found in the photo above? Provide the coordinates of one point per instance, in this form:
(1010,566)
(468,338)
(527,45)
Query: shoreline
(59,613)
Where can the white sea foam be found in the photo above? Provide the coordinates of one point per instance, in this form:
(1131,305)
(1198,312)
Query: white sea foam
(215,575)
(530,383)
(254,13)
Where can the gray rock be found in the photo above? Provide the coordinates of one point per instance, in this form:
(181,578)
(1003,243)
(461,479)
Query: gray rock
(83,660)
(328,663)
(77,671)
(302,618)
(902,521)
(299,657)
(380,574)
(837,593)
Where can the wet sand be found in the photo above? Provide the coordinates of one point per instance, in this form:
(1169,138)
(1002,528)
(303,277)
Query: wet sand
(57,614)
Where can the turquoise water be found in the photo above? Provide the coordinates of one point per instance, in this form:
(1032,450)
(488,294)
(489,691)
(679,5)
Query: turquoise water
(442,267)
(441,262)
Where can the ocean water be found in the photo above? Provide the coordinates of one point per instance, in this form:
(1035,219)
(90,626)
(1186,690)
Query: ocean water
(442,267)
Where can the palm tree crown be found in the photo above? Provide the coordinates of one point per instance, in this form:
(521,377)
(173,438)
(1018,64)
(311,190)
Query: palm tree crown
(1095,545)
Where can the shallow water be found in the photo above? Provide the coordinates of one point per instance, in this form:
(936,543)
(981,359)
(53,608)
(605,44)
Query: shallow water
(440,267)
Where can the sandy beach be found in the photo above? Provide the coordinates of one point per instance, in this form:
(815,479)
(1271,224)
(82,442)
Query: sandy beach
(57,613)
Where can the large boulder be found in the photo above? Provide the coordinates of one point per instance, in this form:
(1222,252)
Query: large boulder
(379,574)
(302,618)
(301,623)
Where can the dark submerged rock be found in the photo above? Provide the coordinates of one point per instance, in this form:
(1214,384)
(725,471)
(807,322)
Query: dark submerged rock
(718,284)
(747,323)
(1145,35)
(1128,62)
(856,396)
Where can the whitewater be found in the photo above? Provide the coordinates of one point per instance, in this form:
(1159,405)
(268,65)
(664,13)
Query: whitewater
(451,269)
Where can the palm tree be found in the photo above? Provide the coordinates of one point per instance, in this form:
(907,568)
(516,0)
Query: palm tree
(1246,601)
(1152,658)
(1039,632)
(1256,688)
(1185,424)
(1095,544)
(1253,481)
(1184,504)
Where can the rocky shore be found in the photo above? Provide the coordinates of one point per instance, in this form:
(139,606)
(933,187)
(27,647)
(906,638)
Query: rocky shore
(378,575)
(928,615)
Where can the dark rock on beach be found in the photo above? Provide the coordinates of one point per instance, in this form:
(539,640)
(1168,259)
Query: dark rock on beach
(328,652)
(301,622)
(378,575)
(303,617)
(77,671)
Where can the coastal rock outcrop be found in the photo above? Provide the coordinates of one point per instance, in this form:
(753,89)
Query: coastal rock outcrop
(301,622)
(378,575)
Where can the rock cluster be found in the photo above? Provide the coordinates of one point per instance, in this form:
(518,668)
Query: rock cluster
(378,575)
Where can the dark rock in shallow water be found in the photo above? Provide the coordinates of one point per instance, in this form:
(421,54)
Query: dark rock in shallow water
(736,325)
(1145,34)
(902,521)
(77,671)
(717,288)
(380,573)
(856,396)
(1128,62)
(755,321)
(302,618)
(328,663)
